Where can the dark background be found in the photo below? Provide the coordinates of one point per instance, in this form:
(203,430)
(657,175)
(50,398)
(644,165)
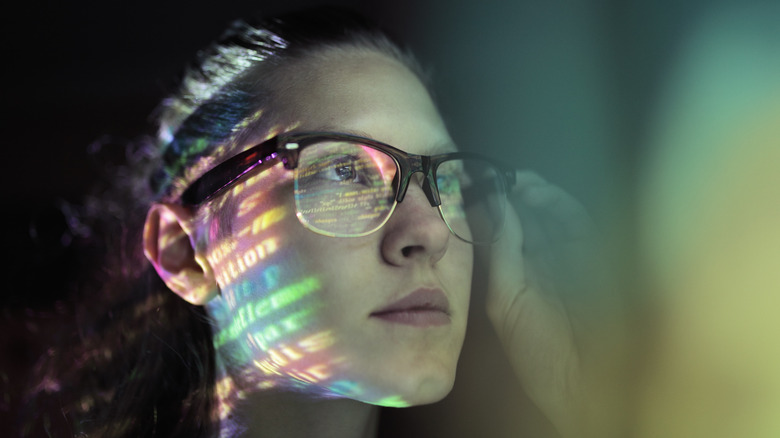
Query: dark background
(563,87)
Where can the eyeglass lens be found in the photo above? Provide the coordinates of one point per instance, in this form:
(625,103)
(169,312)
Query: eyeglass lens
(472,199)
(346,189)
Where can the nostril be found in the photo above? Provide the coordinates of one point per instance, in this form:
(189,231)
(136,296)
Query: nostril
(411,250)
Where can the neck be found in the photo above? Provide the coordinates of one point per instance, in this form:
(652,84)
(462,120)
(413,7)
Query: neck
(292,415)
(289,413)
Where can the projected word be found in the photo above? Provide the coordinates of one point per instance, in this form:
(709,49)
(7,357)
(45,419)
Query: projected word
(260,309)
(241,262)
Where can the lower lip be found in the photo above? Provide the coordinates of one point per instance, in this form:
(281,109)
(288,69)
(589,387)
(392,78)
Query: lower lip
(416,318)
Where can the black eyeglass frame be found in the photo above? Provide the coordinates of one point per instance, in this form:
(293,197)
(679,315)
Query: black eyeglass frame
(287,147)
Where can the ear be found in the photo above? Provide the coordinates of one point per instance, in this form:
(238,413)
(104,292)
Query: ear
(169,244)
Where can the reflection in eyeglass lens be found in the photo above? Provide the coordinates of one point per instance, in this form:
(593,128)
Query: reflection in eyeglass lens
(472,198)
(344,189)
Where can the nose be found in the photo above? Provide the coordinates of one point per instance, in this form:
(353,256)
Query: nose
(416,232)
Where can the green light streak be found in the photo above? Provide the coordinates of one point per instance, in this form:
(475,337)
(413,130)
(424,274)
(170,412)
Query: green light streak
(290,324)
(393,402)
(251,312)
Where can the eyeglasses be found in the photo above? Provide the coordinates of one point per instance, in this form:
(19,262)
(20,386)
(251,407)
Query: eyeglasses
(349,186)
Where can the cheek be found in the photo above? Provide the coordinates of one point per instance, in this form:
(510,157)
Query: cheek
(259,226)
(262,293)
(275,316)
(293,302)
(459,269)
(269,321)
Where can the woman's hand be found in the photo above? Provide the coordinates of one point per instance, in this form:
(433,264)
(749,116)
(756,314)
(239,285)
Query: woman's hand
(553,305)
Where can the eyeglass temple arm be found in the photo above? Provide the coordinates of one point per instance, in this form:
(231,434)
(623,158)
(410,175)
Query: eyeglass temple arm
(214,182)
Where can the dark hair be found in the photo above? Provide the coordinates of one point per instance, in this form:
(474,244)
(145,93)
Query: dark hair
(221,95)
(141,361)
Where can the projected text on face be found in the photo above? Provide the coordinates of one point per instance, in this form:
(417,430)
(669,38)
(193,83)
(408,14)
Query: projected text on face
(270,314)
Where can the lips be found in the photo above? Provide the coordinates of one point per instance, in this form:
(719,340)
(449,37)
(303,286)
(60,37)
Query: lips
(421,308)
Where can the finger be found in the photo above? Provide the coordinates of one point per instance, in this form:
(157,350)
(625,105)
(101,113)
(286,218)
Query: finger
(538,259)
(505,267)
(531,195)
(562,214)
(562,249)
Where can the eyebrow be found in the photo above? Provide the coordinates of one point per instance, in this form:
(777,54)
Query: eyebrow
(441,148)
(330,128)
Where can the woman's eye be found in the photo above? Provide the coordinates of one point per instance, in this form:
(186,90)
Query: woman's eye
(343,168)
(343,172)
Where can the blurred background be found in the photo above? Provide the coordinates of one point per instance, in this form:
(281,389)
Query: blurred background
(570,88)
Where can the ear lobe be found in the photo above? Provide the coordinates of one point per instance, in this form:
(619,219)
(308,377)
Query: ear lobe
(168,242)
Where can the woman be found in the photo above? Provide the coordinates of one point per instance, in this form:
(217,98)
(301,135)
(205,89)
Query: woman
(308,206)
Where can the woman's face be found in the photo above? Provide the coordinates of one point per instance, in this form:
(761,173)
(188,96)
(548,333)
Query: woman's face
(379,318)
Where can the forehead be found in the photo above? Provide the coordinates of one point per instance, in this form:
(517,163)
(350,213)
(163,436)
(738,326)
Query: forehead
(365,93)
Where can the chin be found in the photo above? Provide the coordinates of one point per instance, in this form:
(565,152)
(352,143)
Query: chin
(431,391)
(408,390)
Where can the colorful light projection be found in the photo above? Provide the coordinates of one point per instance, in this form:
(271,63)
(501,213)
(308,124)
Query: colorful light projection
(268,316)
(343,188)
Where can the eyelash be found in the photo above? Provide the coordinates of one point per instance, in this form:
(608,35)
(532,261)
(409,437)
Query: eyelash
(332,168)
(341,165)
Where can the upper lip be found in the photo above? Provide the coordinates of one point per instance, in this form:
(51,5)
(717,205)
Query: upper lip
(420,299)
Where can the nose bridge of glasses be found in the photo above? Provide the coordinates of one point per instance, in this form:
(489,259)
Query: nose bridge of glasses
(411,167)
